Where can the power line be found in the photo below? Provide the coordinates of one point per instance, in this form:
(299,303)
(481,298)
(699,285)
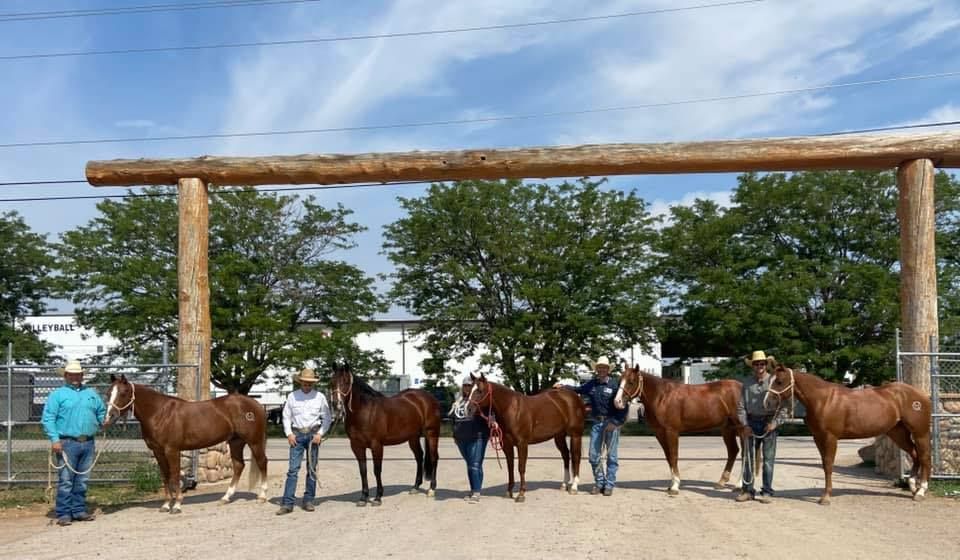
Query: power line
(451,122)
(149,8)
(374,36)
(388,183)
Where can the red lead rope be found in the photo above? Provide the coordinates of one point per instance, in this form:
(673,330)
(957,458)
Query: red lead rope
(496,434)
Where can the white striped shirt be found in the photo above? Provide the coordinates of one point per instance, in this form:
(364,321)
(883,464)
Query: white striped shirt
(306,410)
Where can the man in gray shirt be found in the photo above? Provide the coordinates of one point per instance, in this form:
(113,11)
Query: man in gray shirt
(763,425)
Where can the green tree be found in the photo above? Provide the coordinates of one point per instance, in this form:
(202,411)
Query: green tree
(803,265)
(539,276)
(270,271)
(25,266)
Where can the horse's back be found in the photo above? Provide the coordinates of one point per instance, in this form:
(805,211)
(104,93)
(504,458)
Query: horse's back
(552,412)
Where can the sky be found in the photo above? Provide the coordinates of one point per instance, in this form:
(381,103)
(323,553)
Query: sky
(723,50)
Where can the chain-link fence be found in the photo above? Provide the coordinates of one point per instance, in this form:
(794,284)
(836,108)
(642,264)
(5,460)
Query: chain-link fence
(943,364)
(25,456)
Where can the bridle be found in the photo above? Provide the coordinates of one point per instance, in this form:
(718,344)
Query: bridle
(496,433)
(639,390)
(778,394)
(344,395)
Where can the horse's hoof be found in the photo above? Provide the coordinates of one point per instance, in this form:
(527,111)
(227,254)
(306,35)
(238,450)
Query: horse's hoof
(563,488)
(672,492)
(176,511)
(262,500)
(509,495)
(164,509)
(431,493)
(521,499)
(918,497)
(719,485)
(376,502)
(224,501)
(572,491)
(361,503)
(414,491)
(824,501)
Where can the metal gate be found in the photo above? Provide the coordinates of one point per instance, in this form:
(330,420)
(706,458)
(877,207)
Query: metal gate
(944,368)
(25,454)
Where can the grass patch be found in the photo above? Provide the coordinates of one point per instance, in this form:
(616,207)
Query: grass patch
(947,488)
(98,495)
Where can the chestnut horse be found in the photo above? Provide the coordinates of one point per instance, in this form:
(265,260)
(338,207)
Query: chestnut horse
(836,412)
(170,425)
(672,408)
(373,420)
(553,414)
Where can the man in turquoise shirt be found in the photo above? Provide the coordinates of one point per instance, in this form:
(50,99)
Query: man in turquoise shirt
(71,417)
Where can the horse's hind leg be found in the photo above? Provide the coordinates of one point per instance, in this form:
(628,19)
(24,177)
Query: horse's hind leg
(258,475)
(730,440)
(376,449)
(561,441)
(901,436)
(236,455)
(923,457)
(576,449)
(418,456)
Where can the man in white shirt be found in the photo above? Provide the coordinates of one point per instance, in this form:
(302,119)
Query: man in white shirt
(306,418)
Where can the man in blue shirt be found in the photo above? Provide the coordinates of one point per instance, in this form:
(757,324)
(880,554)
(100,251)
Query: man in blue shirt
(605,431)
(71,417)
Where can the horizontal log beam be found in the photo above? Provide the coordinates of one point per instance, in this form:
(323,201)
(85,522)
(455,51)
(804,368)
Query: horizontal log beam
(877,151)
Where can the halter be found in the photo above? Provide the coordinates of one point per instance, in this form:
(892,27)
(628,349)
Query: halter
(133,397)
(341,395)
(496,433)
(639,390)
(793,399)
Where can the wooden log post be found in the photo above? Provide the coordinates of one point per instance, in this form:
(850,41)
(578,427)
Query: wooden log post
(918,292)
(193,293)
(918,267)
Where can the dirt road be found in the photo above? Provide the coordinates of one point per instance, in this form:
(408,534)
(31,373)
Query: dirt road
(868,519)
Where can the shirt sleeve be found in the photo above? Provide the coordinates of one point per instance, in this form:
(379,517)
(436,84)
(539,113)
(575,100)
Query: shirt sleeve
(326,417)
(780,417)
(287,413)
(49,417)
(584,389)
(101,411)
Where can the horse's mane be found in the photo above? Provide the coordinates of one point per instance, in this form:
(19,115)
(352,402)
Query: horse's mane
(360,384)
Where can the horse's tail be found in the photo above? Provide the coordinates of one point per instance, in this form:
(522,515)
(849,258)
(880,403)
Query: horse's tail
(428,465)
(257,475)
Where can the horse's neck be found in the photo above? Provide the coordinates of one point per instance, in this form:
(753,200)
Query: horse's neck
(805,384)
(652,387)
(500,397)
(147,401)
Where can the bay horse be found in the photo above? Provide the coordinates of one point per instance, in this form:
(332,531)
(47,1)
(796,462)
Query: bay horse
(170,425)
(373,420)
(672,408)
(835,412)
(553,414)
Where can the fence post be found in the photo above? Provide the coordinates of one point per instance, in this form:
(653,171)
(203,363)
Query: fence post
(900,458)
(935,401)
(195,458)
(9,413)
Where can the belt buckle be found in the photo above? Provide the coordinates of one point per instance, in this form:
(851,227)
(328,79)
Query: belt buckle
(82,439)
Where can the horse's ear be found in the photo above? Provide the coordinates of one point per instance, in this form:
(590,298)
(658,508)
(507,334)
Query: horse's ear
(483,376)
(472,376)
(112,378)
(772,363)
(123,378)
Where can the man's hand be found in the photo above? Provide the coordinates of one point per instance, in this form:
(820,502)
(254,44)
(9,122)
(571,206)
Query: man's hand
(57,447)
(771,426)
(558,385)
(292,440)
(317,438)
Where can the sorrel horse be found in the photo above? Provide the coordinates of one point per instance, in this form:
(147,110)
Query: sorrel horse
(170,425)
(553,414)
(672,408)
(373,420)
(836,412)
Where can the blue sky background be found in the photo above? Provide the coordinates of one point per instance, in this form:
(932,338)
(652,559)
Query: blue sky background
(763,46)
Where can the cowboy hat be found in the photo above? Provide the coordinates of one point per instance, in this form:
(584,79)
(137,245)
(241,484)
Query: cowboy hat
(602,361)
(757,356)
(73,366)
(306,375)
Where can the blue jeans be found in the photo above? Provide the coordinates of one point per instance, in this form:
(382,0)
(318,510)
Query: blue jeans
(769,445)
(473,451)
(293,471)
(598,437)
(72,488)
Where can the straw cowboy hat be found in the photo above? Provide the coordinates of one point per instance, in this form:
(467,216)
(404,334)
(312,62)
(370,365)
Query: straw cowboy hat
(757,356)
(307,375)
(73,366)
(602,361)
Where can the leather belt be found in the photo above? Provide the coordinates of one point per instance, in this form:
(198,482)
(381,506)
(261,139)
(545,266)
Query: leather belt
(77,438)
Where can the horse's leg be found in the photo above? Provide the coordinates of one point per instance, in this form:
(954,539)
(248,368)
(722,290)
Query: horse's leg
(418,456)
(522,469)
(165,477)
(828,452)
(433,450)
(673,452)
(730,440)
(561,442)
(923,455)
(901,436)
(508,453)
(360,452)
(236,455)
(376,449)
(576,450)
(173,458)
(661,435)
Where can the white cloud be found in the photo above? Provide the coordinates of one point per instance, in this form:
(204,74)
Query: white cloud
(135,123)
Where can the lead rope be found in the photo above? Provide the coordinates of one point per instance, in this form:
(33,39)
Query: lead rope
(51,466)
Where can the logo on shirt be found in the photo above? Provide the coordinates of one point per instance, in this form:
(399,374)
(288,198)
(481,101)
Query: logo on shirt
(607,390)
